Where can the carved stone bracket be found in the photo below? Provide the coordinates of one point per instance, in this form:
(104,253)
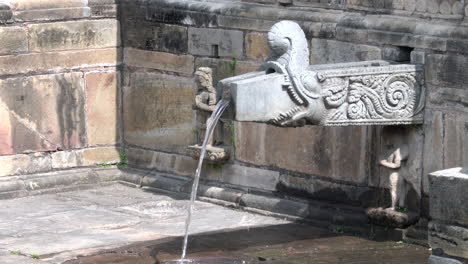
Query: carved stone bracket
(287,91)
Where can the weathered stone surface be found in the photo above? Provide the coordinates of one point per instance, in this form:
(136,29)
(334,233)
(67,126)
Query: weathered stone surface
(418,57)
(158,112)
(351,34)
(447,70)
(103,155)
(46,4)
(309,186)
(245,23)
(216,42)
(408,40)
(45,112)
(100,11)
(24,164)
(433,146)
(56,61)
(74,35)
(455,146)
(179,16)
(52,14)
(442,260)
(330,51)
(256,45)
(13,40)
(249,177)
(159,60)
(156,36)
(390,218)
(165,162)
(448,195)
(66,159)
(225,68)
(102,105)
(452,240)
(331,152)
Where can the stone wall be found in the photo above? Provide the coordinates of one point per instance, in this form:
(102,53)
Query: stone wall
(76,85)
(59,84)
(166,40)
(448,229)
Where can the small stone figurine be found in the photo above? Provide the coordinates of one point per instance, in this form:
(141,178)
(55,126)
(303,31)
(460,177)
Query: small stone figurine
(398,215)
(397,179)
(205,104)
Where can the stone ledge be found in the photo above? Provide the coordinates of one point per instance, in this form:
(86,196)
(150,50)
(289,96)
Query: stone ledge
(334,216)
(58,181)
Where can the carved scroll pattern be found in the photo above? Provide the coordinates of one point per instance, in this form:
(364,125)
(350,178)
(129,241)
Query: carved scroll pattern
(371,97)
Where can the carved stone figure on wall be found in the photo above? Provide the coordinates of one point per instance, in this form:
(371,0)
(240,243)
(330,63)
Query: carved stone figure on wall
(397,177)
(205,102)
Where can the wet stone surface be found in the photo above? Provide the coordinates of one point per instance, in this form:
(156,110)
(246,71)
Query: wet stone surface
(280,244)
(108,225)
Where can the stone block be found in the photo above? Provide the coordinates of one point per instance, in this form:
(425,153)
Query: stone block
(245,23)
(156,36)
(408,40)
(180,16)
(418,57)
(447,70)
(102,155)
(330,51)
(71,35)
(256,45)
(451,240)
(332,152)
(102,89)
(100,11)
(24,164)
(448,196)
(46,4)
(216,42)
(158,112)
(250,177)
(66,159)
(13,40)
(309,187)
(442,260)
(56,61)
(52,14)
(159,60)
(433,145)
(159,161)
(455,146)
(43,113)
(225,68)
(351,34)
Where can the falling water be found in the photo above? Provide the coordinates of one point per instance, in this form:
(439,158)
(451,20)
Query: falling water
(220,107)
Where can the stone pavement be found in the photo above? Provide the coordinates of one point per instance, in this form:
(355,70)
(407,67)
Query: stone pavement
(59,227)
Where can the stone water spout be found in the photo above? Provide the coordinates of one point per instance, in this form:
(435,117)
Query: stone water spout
(287,91)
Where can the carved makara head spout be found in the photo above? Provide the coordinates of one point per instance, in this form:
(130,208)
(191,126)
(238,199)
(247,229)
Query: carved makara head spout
(294,92)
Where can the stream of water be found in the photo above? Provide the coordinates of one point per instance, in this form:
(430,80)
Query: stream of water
(220,107)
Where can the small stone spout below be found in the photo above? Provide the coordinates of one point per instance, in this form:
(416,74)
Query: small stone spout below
(287,91)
